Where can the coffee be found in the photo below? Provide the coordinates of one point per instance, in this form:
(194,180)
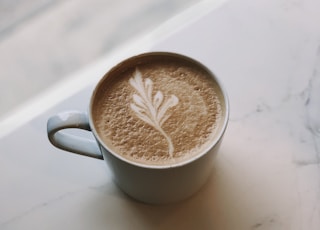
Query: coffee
(158,110)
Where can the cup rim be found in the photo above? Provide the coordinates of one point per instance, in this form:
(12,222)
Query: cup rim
(215,141)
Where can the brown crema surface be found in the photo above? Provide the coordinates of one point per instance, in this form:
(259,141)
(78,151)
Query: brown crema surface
(190,123)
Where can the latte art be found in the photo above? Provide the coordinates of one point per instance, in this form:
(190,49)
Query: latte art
(158,110)
(152,110)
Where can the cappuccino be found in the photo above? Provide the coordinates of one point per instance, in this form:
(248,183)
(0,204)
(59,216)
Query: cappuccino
(158,110)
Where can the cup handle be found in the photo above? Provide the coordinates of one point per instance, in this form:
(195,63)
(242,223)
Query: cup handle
(68,142)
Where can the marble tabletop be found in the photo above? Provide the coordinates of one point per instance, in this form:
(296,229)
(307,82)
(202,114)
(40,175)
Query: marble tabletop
(267,173)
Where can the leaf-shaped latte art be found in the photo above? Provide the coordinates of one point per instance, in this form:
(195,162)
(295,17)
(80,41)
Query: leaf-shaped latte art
(153,111)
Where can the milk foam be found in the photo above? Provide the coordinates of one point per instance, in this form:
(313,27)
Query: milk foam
(190,122)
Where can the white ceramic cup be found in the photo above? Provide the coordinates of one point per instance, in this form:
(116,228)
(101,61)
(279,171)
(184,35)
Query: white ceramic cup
(147,183)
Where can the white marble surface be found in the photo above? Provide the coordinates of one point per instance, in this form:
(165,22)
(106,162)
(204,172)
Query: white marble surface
(267,175)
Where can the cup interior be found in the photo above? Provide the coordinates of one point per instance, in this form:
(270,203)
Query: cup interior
(112,76)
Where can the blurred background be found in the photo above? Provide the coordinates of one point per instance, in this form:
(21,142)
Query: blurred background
(44,41)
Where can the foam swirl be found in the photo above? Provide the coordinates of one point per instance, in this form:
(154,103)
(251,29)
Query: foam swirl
(153,111)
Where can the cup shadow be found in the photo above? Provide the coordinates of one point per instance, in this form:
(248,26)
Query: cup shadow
(212,207)
(220,204)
